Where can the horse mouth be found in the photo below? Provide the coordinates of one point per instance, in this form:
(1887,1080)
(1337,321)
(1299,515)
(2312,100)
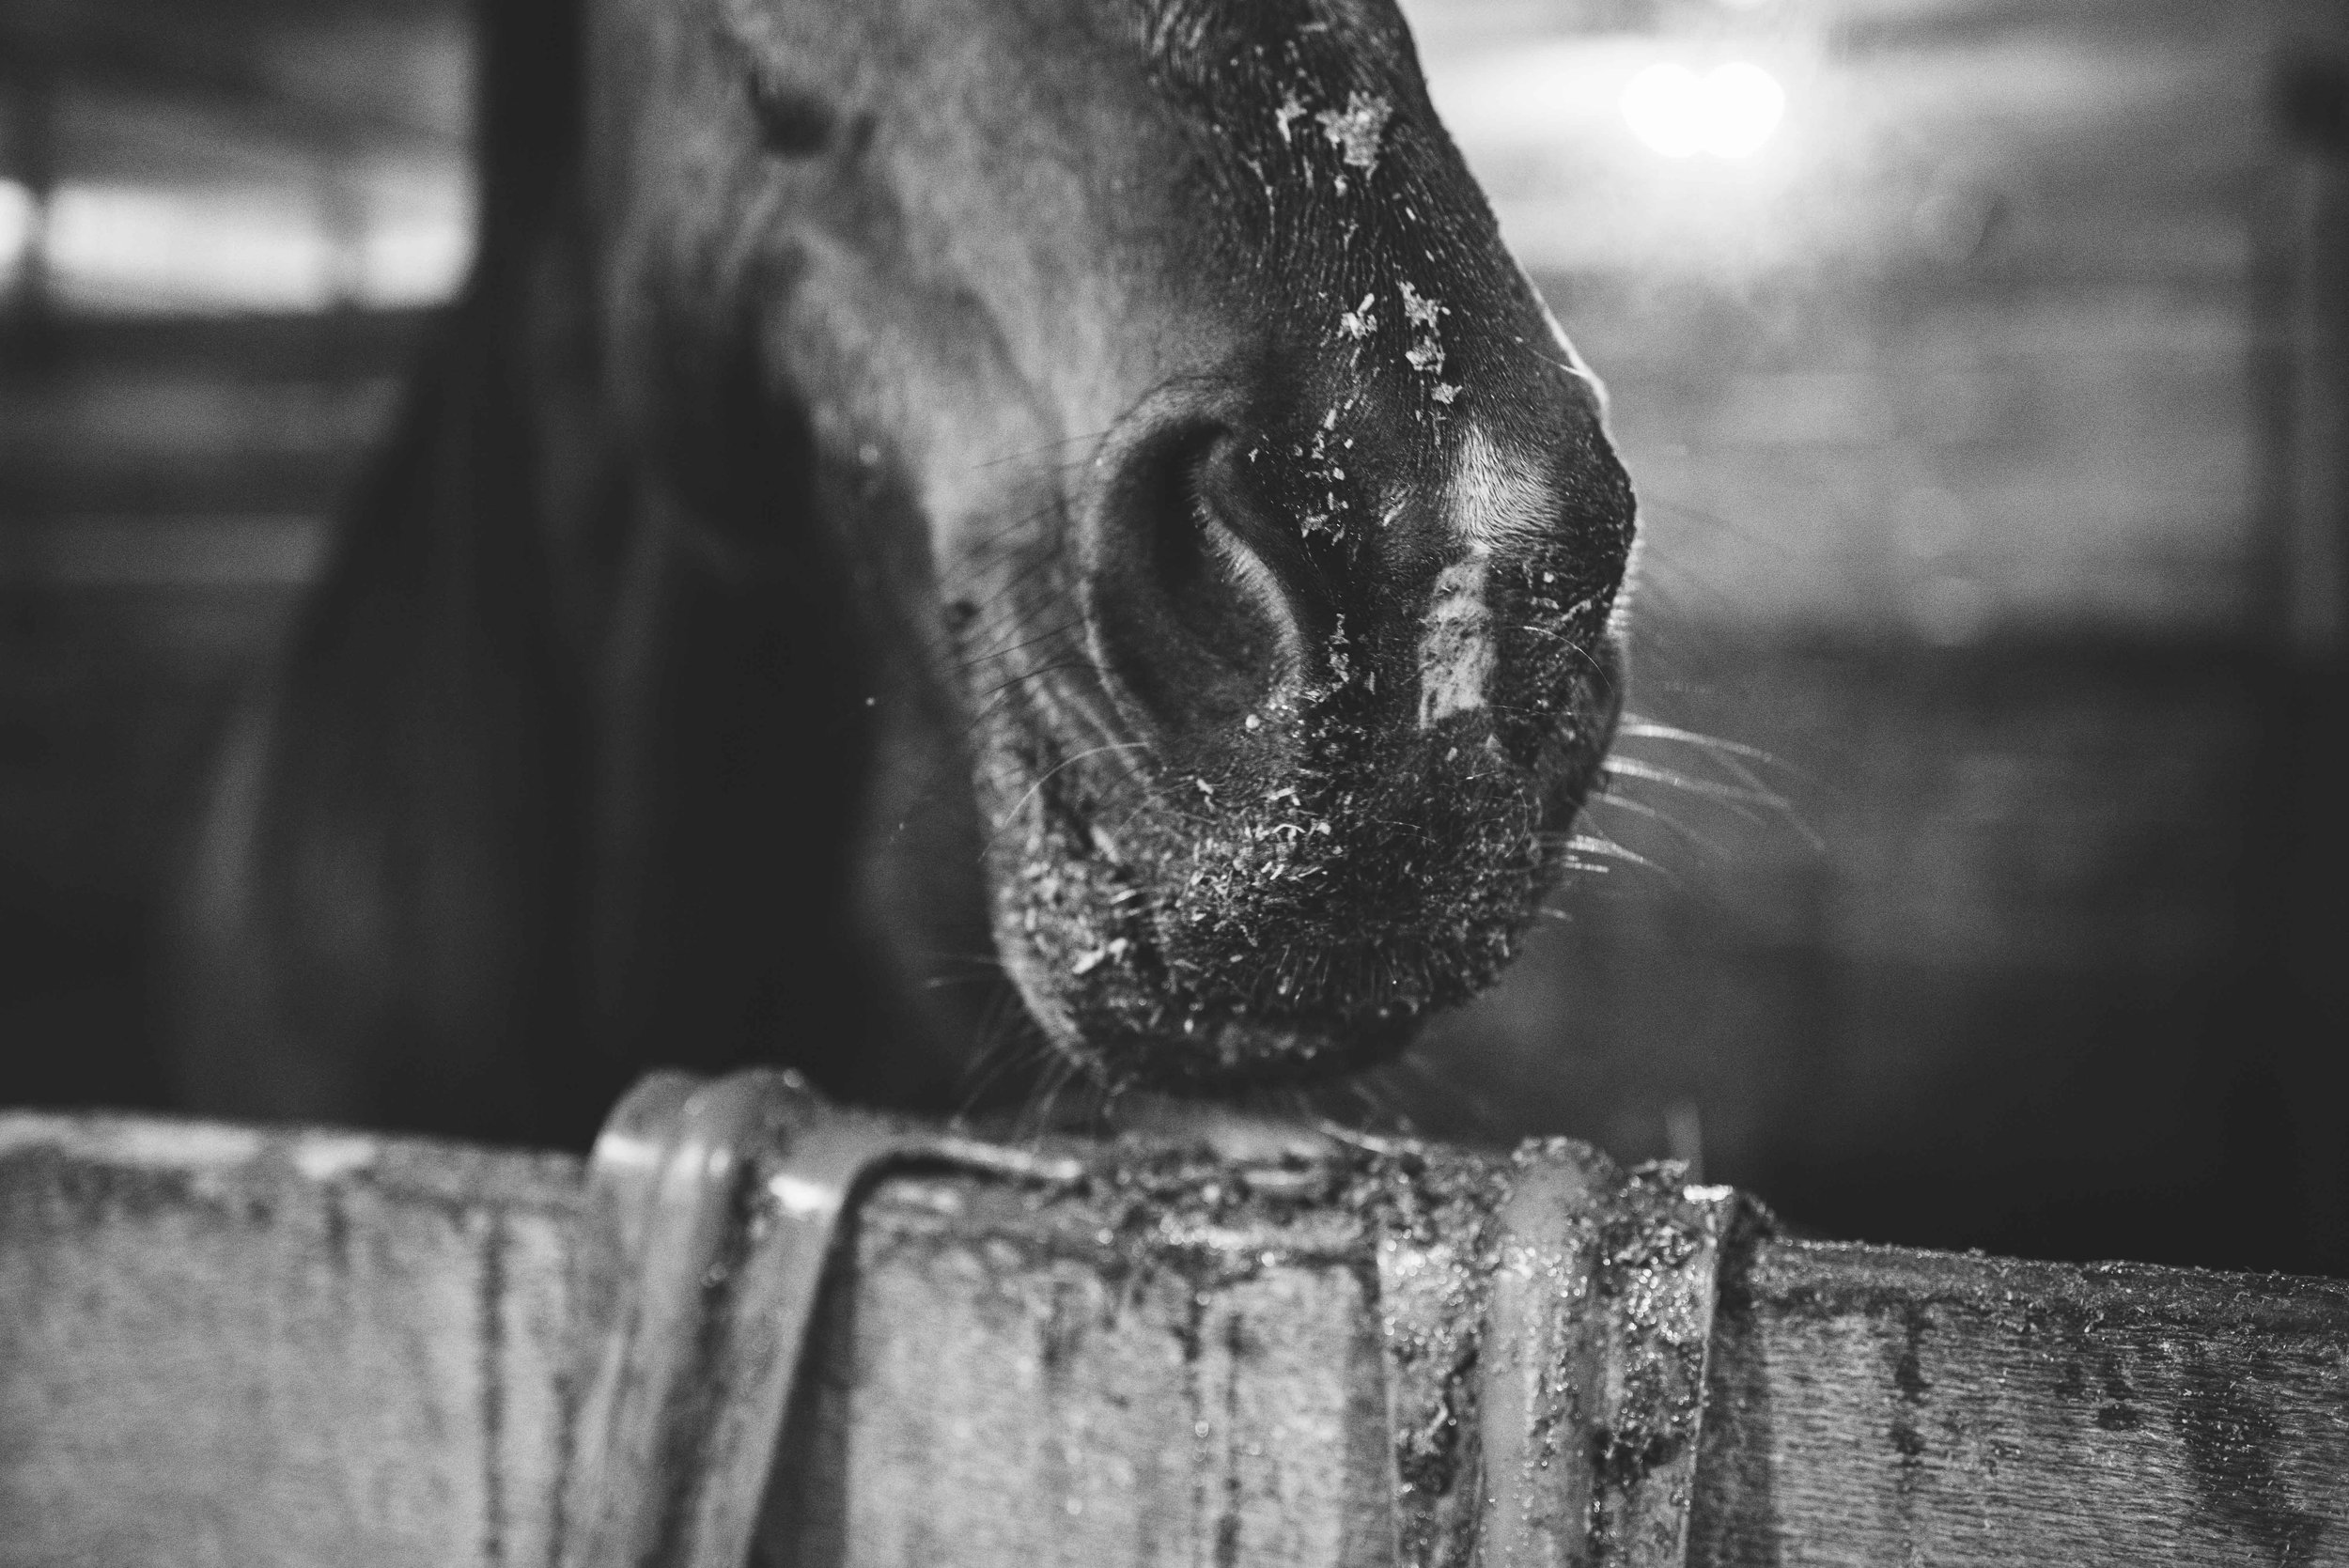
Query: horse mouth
(1186,935)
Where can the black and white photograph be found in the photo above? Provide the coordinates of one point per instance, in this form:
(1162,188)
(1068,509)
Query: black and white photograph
(1255,784)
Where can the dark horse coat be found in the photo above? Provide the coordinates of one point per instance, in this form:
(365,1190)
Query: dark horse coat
(1050,525)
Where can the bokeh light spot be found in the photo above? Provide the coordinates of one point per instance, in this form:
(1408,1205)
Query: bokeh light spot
(1729,111)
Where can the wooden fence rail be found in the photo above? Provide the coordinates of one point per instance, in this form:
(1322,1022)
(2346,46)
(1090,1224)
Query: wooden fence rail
(225,1345)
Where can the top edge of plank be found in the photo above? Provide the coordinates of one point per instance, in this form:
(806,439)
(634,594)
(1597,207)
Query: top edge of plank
(1095,1220)
(171,1150)
(1829,1278)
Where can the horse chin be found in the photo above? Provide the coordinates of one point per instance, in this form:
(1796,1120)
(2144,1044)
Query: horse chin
(1222,1056)
(1283,928)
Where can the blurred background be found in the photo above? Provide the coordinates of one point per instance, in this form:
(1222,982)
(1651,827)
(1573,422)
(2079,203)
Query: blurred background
(1973,873)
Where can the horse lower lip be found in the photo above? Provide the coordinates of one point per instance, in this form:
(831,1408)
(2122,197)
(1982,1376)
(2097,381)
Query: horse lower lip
(1285,930)
(1236,1053)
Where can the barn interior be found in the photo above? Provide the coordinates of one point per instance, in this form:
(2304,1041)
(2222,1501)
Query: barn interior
(1971,874)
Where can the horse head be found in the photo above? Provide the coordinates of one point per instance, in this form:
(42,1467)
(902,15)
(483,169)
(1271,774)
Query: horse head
(1242,524)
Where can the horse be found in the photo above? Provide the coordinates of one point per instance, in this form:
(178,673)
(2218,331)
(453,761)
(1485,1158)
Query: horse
(939,531)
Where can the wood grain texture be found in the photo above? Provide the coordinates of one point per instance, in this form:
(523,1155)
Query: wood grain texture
(226,1346)
(221,1346)
(1014,1380)
(1873,1406)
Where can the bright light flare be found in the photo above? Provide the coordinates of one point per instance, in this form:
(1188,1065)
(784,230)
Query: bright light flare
(122,248)
(1729,112)
(1747,104)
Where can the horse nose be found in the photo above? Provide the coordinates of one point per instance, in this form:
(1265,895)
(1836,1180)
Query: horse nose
(1201,605)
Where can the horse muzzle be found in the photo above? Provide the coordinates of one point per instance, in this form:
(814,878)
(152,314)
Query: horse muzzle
(1296,852)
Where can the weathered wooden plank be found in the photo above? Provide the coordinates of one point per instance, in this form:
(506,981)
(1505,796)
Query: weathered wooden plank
(1084,1379)
(1875,1405)
(219,1345)
(1078,1410)
(1868,1406)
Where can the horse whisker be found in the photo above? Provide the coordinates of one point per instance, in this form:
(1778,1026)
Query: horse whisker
(1012,816)
(1641,808)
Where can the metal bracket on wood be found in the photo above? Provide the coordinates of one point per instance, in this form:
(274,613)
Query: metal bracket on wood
(1546,1322)
(724,1200)
(1546,1346)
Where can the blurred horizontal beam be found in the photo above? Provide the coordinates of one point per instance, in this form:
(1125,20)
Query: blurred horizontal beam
(90,350)
(210,58)
(165,552)
(1860,27)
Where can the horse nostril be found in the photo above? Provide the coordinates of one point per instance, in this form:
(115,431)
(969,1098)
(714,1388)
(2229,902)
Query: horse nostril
(1192,600)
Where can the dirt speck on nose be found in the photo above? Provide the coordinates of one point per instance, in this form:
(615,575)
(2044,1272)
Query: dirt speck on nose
(1356,130)
(1290,110)
(1423,313)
